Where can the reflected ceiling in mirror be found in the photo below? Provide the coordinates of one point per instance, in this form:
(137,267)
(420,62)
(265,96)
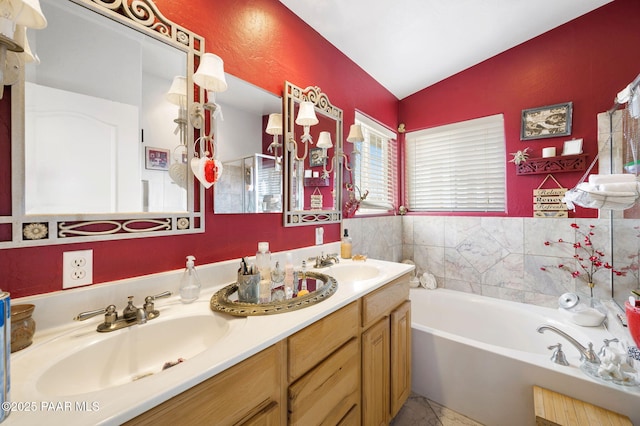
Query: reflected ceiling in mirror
(251,181)
(122,57)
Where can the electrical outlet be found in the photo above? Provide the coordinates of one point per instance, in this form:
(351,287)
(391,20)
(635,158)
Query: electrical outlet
(319,236)
(77,268)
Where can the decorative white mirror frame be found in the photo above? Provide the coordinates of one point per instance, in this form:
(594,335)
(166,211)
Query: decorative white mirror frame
(292,96)
(45,229)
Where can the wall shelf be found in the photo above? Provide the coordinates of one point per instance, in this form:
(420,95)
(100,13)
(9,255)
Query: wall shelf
(316,181)
(558,164)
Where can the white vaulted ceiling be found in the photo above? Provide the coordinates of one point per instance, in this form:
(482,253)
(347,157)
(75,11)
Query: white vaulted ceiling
(407,45)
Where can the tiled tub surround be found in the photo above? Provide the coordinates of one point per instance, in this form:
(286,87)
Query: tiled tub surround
(499,257)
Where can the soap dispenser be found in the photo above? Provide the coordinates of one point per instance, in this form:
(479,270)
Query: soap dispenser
(190,283)
(345,245)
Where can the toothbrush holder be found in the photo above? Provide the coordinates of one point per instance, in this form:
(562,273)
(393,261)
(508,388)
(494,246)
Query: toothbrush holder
(249,288)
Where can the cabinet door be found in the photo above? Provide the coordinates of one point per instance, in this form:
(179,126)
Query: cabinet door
(375,374)
(400,356)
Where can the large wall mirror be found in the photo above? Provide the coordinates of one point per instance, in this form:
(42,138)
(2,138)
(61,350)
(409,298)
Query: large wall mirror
(312,138)
(101,139)
(249,150)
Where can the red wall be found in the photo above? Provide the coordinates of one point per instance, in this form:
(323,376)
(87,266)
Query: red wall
(261,42)
(586,61)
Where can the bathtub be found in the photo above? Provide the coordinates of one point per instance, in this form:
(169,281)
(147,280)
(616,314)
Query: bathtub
(481,356)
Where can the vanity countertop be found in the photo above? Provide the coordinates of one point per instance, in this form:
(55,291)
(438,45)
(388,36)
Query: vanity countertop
(120,403)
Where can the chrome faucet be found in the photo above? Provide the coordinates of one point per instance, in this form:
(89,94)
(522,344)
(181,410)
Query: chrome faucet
(323,261)
(131,314)
(586,354)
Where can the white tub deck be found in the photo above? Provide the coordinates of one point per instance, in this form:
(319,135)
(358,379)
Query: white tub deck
(481,356)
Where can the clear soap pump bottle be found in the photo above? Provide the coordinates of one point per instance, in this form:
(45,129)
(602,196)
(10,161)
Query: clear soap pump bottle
(190,283)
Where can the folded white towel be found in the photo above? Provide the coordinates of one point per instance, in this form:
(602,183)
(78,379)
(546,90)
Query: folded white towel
(623,96)
(619,187)
(615,178)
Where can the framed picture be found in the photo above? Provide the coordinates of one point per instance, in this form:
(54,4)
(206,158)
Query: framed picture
(316,157)
(546,122)
(572,147)
(156,158)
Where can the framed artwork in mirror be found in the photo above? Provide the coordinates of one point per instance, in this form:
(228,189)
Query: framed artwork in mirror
(316,157)
(546,122)
(156,158)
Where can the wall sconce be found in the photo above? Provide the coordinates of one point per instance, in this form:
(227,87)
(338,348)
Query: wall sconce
(177,95)
(324,142)
(306,118)
(355,135)
(274,127)
(14,13)
(210,77)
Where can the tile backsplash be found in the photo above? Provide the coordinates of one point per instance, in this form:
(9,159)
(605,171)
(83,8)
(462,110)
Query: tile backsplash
(491,256)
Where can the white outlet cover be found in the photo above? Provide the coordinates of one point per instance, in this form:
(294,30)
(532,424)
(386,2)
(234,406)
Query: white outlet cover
(77,268)
(319,236)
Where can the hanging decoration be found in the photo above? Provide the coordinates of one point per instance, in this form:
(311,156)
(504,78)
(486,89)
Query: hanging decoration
(548,203)
(207,169)
(316,199)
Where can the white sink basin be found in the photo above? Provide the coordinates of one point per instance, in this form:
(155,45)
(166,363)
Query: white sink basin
(350,272)
(104,360)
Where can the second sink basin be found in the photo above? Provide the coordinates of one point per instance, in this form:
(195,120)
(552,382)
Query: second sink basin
(129,354)
(350,272)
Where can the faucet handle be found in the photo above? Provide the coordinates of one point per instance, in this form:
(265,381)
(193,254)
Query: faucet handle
(89,314)
(604,347)
(558,356)
(318,260)
(149,307)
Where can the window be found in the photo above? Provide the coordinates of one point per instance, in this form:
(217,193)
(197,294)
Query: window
(457,167)
(375,167)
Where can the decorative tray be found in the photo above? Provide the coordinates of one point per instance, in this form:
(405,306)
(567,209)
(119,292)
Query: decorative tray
(225,299)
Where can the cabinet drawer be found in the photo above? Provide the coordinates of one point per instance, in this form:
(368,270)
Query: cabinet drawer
(328,392)
(311,345)
(381,302)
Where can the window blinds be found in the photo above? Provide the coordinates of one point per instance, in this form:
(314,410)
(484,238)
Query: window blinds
(457,167)
(376,167)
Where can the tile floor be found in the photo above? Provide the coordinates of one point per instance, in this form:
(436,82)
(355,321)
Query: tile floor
(419,411)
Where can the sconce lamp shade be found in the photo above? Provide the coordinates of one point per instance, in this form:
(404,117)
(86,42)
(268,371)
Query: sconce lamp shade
(355,134)
(18,12)
(324,140)
(306,114)
(31,15)
(21,39)
(274,125)
(210,73)
(177,93)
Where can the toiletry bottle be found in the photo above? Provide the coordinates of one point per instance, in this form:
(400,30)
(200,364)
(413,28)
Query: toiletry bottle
(345,245)
(277,280)
(288,277)
(303,284)
(190,283)
(263,263)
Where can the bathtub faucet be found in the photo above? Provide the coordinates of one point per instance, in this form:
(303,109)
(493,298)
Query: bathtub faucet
(586,354)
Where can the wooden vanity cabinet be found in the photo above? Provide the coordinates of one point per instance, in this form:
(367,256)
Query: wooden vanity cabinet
(249,393)
(351,368)
(386,351)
